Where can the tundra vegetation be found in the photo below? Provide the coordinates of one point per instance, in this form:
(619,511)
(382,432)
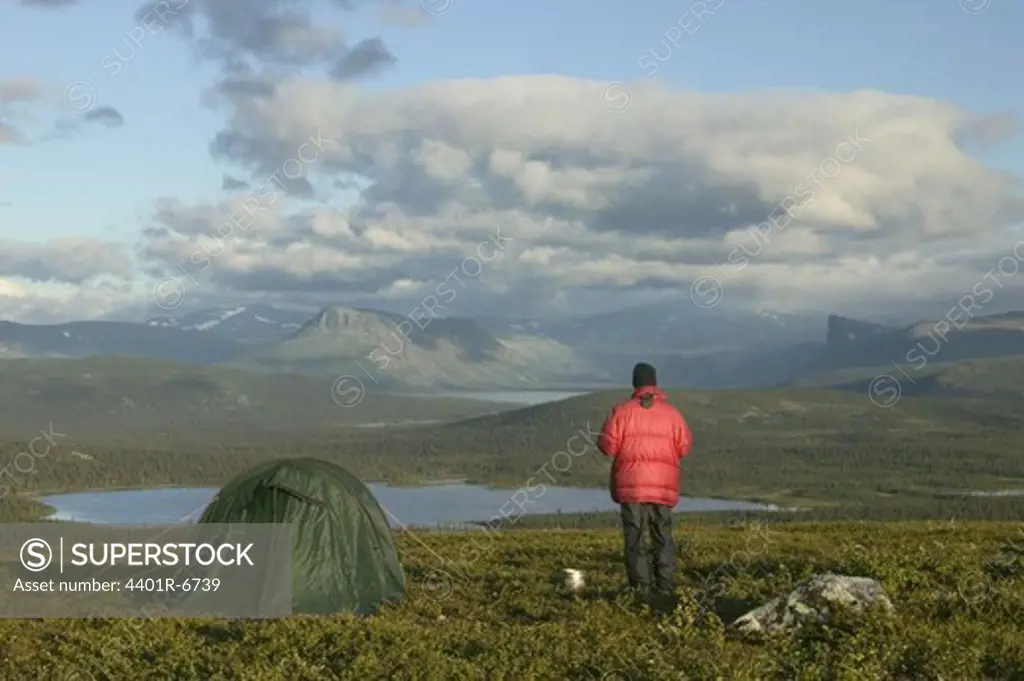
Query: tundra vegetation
(483,607)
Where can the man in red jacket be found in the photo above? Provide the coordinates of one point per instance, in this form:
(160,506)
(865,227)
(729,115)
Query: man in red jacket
(646,438)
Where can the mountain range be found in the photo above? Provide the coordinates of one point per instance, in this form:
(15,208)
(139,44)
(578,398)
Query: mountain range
(84,339)
(673,329)
(853,343)
(692,348)
(248,324)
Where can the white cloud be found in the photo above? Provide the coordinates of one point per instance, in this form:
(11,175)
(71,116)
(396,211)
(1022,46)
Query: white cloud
(68,259)
(650,198)
(889,205)
(11,289)
(31,302)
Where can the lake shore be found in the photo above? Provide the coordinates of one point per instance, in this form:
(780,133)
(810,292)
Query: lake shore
(439,503)
(773,503)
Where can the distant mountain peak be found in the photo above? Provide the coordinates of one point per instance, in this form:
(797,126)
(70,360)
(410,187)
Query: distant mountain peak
(360,325)
(422,351)
(846,330)
(339,318)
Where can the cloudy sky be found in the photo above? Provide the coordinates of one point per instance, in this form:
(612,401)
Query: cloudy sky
(835,156)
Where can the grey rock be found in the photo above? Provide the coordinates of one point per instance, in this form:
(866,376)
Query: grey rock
(811,600)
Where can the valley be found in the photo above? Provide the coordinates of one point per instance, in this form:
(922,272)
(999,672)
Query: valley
(833,451)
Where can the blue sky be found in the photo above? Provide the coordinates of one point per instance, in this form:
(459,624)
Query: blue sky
(101,182)
(97,183)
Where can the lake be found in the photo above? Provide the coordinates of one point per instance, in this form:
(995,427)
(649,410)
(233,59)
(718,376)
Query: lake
(434,505)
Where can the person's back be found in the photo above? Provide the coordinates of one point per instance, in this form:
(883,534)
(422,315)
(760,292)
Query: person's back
(646,438)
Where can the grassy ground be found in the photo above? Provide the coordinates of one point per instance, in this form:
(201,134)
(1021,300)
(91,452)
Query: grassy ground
(482,607)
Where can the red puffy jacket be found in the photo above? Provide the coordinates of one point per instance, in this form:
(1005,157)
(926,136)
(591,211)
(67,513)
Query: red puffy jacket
(646,436)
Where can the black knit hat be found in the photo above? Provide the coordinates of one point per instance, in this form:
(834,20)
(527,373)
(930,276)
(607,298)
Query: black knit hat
(644,376)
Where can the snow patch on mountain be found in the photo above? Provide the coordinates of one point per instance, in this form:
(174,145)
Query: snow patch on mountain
(244,323)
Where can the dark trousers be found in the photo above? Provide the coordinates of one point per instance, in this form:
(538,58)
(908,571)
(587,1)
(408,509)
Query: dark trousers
(637,521)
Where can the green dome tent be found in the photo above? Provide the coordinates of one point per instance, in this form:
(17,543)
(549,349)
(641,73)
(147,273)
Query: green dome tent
(343,555)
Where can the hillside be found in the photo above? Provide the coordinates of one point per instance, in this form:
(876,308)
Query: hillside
(857,344)
(85,339)
(787,446)
(665,328)
(482,606)
(440,353)
(1001,377)
(115,398)
(691,346)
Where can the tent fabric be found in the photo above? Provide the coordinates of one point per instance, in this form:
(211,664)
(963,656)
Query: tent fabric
(343,550)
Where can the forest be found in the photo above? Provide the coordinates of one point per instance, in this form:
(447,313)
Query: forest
(827,450)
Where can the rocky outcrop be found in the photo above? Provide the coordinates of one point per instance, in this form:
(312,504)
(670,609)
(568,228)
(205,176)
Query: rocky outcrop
(813,600)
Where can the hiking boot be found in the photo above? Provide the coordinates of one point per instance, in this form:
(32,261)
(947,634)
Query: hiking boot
(663,601)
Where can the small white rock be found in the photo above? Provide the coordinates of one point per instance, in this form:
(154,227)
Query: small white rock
(573,580)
